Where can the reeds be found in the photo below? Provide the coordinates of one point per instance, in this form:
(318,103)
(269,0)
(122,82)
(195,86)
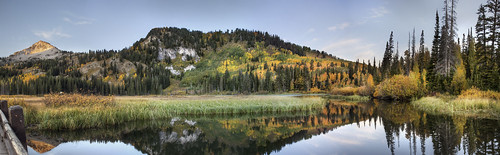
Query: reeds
(56,100)
(14,101)
(459,106)
(78,117)
(355,98)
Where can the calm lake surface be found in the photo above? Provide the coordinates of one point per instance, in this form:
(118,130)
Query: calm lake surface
(339,128)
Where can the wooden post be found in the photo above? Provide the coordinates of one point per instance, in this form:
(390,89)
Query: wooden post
(17,123)
(5,108)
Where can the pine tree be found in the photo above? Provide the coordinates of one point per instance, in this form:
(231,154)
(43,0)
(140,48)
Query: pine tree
(386,61)
(431,74)
(446,58)
(413,58)
(395,67)
(471,59)
(421,52)
(408,59)
(487,46)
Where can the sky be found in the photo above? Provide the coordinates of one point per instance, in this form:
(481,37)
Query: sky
(349,29)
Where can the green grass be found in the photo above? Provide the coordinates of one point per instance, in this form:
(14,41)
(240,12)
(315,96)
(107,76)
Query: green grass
(73,117)
(459,106)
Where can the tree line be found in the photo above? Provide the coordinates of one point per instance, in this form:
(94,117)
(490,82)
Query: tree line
(453,63)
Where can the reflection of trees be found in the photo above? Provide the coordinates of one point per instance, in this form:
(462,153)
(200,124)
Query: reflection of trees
(260,134)
(222,135)
(449,134)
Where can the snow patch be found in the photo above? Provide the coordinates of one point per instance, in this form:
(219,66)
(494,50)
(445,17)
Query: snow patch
(177,72)
(191,123)
(172,70)
(172,53)
(188,68)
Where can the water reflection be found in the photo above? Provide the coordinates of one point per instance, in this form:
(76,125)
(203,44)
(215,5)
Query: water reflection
(340,127)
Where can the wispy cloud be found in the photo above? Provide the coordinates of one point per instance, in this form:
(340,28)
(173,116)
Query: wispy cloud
(54,33)
(378,12)
(313,40)
(339,26)
(311,30)
(77,20)
(346,48)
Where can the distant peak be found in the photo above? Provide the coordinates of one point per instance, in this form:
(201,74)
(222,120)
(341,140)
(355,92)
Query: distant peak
(42,43)
(37,47)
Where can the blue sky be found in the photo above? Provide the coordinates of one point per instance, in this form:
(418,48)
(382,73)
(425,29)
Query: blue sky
(350,29)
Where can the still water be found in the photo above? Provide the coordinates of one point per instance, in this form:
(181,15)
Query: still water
(339,128)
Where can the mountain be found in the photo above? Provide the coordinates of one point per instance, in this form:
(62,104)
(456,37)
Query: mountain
(40,50)
(174,60)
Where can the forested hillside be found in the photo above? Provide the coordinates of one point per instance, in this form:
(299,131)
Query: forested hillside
(239,61)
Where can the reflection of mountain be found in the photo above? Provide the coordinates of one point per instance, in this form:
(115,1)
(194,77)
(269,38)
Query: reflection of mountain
(40,146)
(246,135)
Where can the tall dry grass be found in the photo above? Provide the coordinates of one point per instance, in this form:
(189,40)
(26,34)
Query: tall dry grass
(74,116)
(472,102)
(11,101)
(57,100)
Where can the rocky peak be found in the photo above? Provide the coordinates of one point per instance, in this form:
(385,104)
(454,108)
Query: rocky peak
(40,50)
(40,46)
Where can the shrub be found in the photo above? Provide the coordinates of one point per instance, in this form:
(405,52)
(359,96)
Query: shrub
(365,91)
(474,93)
(398,87)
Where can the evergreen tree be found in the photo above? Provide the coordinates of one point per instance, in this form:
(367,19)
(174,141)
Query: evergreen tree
(421,53)
(447,58)
(395,67)
(487,61)
(431,74)
(386,61)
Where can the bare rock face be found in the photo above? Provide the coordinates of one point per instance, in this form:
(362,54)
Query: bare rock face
(40,50)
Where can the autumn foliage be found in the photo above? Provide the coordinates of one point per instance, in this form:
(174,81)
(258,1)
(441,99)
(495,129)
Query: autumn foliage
(398,87)
(474,93)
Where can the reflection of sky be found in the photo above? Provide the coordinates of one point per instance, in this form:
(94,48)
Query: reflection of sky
(87,147)
(351,139)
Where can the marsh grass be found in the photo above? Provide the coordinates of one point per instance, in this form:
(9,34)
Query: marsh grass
(79,117)
(483,107)
(56,100)
(11,101)
(355,98)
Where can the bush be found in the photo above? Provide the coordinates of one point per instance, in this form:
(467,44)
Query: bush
(474,93)
(365,91)
(399,87)
(369,88)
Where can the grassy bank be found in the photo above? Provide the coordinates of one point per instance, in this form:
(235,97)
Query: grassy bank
(354,98)
(150,108)
(479,107)
(471,102)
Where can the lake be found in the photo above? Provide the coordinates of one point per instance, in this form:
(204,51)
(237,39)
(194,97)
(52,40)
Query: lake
(341,127)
